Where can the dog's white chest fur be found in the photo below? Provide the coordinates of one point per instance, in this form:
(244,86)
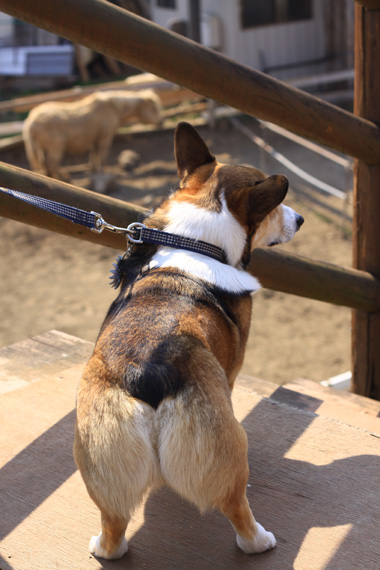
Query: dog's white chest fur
(218,228)
(224,276)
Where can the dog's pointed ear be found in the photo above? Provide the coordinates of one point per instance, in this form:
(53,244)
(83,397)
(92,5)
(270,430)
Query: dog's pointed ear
(266,195)
(190,150)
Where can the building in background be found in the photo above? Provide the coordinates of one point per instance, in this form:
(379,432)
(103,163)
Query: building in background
(289,39)
(29,51)
(295,40)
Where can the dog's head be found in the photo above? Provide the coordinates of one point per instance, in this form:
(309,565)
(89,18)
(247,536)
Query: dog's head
(234,207)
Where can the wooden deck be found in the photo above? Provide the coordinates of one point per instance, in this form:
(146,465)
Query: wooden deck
(315,477)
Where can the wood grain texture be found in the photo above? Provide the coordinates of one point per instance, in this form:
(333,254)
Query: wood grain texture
(366,219)
(290,273)
(276,270)
(343,406)
(40,357)
(313,481)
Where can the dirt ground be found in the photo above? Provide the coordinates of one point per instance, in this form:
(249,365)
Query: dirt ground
(50,281)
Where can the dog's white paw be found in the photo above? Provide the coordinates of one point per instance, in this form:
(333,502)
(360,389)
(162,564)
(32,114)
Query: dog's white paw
(97,550)
(263,541)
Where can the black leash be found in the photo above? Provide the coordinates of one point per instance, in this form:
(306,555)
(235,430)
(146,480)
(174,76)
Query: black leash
(75,215)
(136,232)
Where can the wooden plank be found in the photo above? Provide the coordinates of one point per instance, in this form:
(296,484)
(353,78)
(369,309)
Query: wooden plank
(138,42)
(11,128)
(10,143)
(256,385)
(342,406)
(40,357)
(366,199)
(306,485)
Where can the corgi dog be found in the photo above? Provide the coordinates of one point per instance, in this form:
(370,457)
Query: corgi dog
(154,402)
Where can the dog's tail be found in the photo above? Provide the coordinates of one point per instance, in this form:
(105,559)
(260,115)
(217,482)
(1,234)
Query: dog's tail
(34,151)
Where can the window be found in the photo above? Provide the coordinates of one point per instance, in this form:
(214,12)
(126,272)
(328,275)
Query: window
(167,4)
(256,13)
(299,10)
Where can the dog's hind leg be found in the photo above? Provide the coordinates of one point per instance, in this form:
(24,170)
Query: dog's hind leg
(251,537)
(203,456)
(111,542)
(115,452)
(118,471)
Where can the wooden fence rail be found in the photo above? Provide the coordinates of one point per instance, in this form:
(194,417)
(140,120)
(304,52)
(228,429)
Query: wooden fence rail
(276,270)
(126,37)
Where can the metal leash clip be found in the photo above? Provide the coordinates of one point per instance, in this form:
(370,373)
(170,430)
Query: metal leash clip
(100,224)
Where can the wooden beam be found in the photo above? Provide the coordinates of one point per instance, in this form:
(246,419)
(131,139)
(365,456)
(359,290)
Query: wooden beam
(366,242)
(276,270)
(370,4)
(138,42)
(290,273)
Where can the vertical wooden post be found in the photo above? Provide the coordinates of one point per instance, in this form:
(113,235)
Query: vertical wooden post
(366,227)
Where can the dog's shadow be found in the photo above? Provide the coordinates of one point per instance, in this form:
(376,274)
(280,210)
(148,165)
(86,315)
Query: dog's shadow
(289,497)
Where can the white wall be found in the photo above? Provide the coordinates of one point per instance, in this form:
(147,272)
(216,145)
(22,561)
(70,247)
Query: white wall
(269,45)
(257,47)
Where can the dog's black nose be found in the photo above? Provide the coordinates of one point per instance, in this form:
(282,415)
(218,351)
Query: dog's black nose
(299,220)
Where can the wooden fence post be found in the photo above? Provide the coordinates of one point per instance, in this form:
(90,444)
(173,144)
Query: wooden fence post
(366,228)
